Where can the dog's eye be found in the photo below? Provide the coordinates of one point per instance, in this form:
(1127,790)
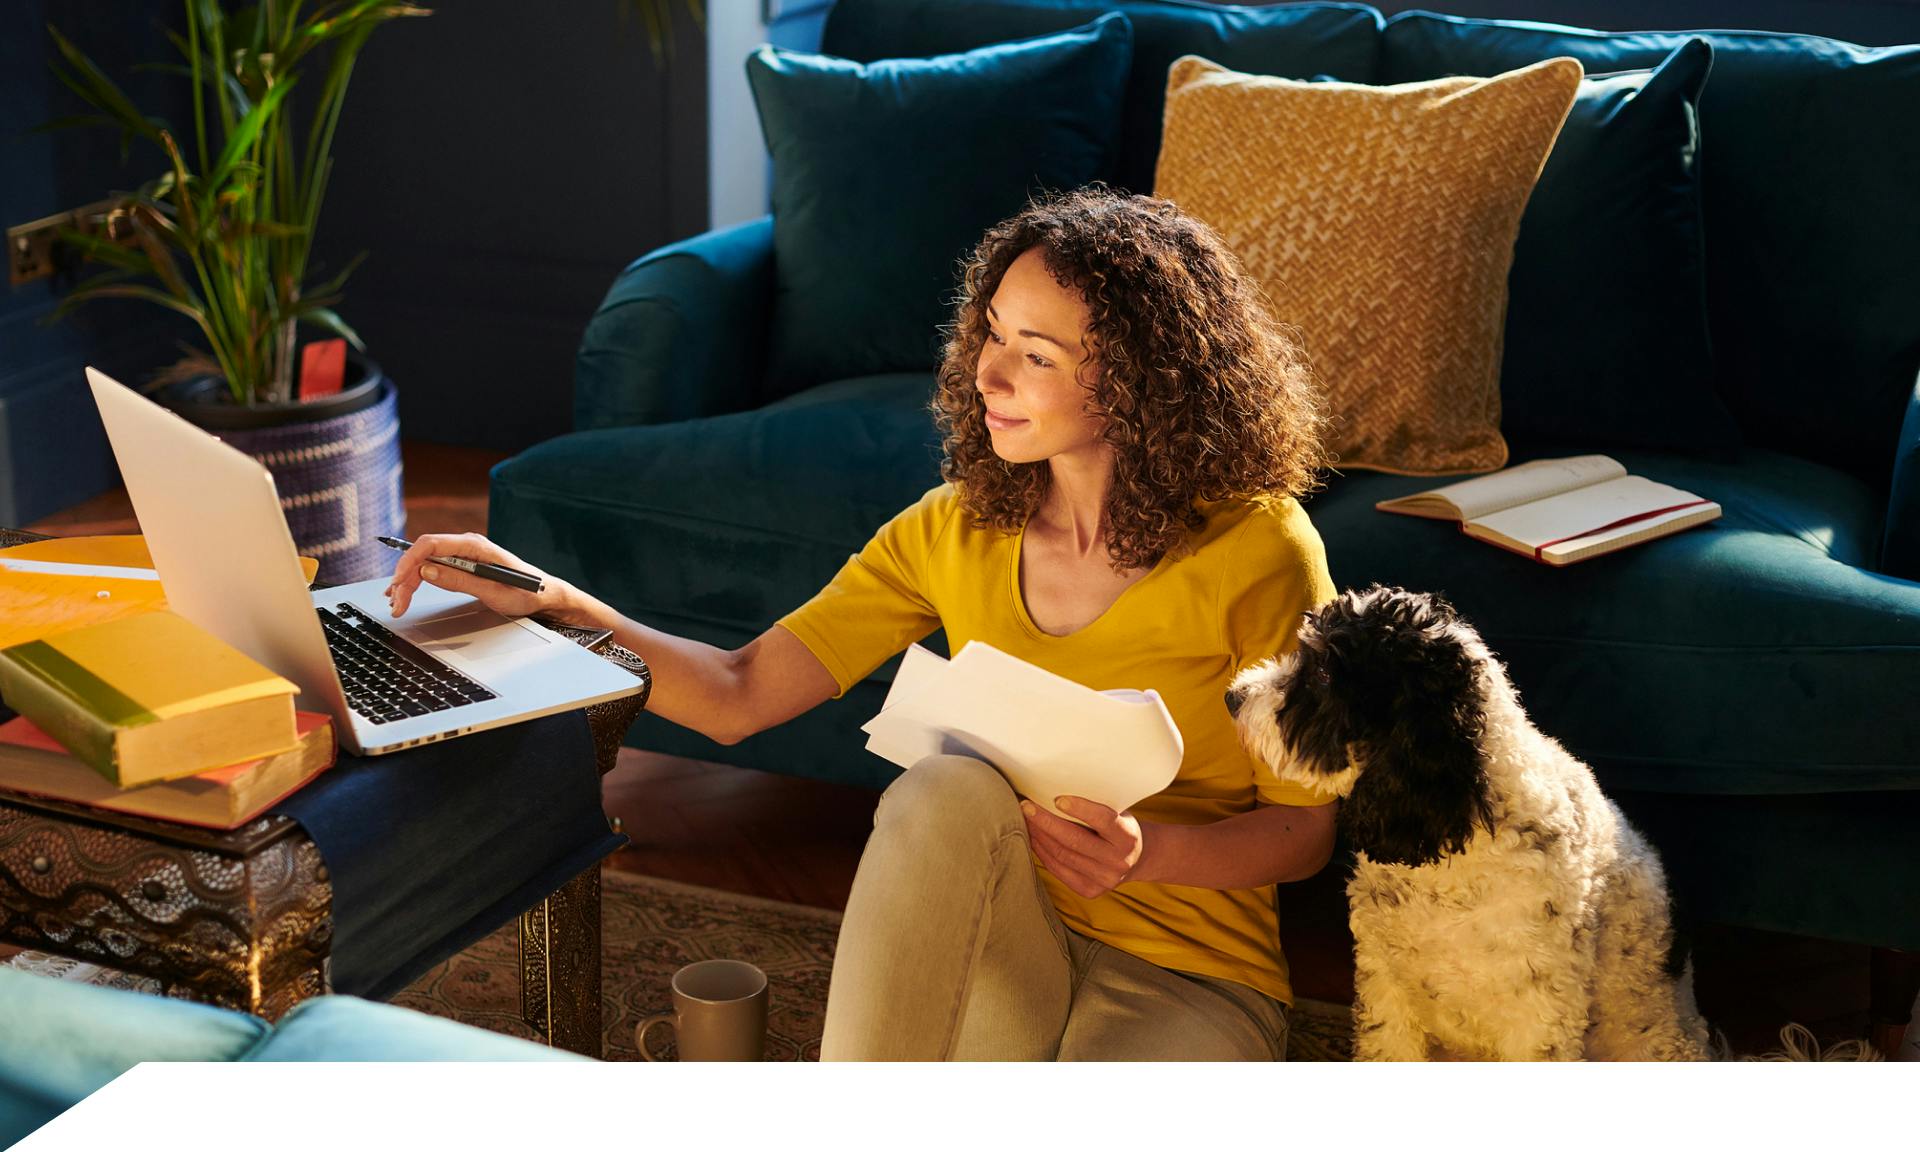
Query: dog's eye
(1321,675)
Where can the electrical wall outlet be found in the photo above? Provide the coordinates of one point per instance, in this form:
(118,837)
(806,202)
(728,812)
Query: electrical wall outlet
(31,247)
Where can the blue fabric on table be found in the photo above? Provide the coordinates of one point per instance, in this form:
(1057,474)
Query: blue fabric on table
(432,848)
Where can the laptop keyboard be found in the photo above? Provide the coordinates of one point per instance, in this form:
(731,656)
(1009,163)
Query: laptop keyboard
(386,677)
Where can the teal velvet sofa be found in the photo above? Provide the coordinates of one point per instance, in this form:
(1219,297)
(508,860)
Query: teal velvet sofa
(1750,690)
(61,1041)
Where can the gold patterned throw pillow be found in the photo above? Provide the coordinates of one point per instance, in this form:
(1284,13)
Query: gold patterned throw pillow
(1381,222)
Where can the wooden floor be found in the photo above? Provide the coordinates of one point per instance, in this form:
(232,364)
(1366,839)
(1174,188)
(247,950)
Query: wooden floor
(798,840)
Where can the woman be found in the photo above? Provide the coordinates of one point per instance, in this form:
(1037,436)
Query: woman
(1126,431)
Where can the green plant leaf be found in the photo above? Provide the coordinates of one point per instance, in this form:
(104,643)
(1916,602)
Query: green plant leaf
(360,13)
(92,85)
(245,133)
(226,232)
(271,228)
(328,319)
(333,286)
(137,292)
(104,251)
(154,231)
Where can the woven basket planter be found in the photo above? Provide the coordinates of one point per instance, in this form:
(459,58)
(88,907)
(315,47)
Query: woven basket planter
(335,463)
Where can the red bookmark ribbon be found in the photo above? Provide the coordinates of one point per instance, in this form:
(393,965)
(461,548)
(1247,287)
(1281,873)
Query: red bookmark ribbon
(1538,552)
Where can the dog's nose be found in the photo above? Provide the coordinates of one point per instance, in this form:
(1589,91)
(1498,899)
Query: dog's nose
(1233,703)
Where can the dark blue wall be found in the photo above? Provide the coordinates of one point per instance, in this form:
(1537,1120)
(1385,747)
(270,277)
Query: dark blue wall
(502,161)
(52,450)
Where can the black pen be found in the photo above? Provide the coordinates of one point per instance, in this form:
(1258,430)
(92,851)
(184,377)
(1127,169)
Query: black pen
(511,577)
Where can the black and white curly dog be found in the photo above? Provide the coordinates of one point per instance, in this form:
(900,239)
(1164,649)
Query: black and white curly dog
(1502,907)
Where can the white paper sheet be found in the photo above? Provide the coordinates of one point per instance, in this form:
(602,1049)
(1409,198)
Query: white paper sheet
(1047,735)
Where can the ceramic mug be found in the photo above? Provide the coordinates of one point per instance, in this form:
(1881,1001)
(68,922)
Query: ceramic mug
(719,1012)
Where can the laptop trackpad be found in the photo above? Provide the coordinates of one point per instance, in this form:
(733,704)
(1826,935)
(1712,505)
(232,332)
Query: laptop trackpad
(474,632)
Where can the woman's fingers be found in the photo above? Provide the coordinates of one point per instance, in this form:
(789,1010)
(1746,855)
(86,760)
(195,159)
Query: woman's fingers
(417,564)
(1076,869)
(407,573)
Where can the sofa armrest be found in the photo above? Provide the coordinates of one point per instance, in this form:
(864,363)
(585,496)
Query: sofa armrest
(1900,547)
(682,333)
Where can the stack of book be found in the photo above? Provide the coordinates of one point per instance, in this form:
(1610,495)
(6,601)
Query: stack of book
(153,716)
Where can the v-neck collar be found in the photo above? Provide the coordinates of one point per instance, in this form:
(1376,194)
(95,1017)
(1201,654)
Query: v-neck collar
(1020,602)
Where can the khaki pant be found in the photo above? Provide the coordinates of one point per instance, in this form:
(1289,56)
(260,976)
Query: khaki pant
(950,950)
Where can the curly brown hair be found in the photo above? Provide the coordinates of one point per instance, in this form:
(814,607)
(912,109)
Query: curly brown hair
(1202,393)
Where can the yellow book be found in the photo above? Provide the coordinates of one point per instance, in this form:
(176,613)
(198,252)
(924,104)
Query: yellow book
(149,697)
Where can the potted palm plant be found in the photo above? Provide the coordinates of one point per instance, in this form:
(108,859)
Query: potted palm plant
(222,236)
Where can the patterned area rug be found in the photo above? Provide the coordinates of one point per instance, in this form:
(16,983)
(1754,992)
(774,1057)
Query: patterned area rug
(650,927)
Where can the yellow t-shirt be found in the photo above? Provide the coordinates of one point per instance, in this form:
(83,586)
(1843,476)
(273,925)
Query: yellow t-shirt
(1184,629)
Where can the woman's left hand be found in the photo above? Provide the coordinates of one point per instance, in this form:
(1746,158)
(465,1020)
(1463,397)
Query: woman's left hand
(1092,860)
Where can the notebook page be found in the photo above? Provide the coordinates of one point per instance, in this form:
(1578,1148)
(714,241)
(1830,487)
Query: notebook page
(1534,480)
(1626,534)
(1582,510)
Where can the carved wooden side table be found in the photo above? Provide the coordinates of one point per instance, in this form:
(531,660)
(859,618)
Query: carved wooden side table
(244,919)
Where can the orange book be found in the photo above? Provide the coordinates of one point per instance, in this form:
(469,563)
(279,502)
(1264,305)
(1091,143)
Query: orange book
(35,763)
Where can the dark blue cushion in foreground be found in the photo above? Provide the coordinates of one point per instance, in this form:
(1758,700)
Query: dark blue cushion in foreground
(61,1041)
(1752,655)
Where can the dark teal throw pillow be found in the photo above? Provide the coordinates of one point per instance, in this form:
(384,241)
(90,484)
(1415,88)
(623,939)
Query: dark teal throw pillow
(886,174)
(1810,181)
(1606,337)
(1296,40)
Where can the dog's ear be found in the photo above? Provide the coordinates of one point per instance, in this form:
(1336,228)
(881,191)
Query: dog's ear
(1315,719)
(1422,785)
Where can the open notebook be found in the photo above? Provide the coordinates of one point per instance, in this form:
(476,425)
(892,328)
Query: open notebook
(1562,510)
(1048,735)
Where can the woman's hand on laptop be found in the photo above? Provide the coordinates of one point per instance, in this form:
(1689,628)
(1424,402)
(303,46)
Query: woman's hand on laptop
(416,564)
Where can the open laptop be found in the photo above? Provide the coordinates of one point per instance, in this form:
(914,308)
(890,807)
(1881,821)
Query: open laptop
(220,545)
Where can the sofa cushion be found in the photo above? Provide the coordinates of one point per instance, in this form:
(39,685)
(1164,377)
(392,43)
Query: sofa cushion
(1749,655)
(1809,161)
(1380,221)
(715,528)
(1297,40)
(61,1041)
(348,1028)
(1606,334)
(885,175)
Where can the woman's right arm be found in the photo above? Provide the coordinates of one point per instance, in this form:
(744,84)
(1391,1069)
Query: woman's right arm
(724,695)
